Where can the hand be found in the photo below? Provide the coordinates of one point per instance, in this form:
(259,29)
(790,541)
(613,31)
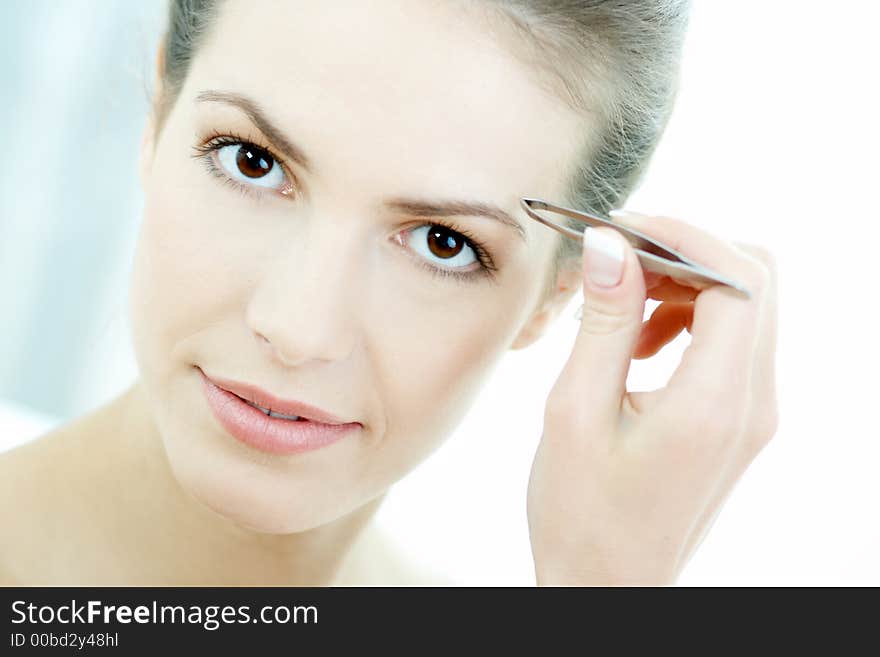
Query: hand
(624,485)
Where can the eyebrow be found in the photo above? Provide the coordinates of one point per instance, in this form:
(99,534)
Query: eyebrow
(259,119)
(427,208)
(414,206)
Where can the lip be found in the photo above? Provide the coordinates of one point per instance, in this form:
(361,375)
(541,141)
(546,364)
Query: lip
(274,435)
(262,398)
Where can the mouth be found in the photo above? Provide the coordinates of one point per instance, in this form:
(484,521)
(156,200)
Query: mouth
(271,413)
(274,406)
(264,428)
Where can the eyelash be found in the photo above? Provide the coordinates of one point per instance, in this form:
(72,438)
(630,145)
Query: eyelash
(487,268)
(218,140)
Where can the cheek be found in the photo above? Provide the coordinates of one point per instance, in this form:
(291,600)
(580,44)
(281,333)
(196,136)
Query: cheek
(185,277)
(432,366)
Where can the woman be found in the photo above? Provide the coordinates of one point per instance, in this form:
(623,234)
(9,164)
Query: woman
(332,235)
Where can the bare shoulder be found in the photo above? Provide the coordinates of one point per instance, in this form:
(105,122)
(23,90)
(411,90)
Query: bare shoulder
(17,514)
(35,495)
(25,480)
(6,577)
(30,470)
(377,559)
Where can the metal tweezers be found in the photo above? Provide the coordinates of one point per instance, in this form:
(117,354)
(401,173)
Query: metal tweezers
(652,255)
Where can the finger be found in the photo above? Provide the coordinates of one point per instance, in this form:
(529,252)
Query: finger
(593,379)
(763,398)
(725,324)
(652,279)
(664,325)
(763,384)
(669,290)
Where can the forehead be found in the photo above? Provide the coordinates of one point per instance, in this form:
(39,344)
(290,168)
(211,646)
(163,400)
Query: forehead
(396,95)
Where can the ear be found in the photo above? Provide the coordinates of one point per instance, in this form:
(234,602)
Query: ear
(148,138)
(568,282)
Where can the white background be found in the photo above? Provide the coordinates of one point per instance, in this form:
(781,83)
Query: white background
(773,141)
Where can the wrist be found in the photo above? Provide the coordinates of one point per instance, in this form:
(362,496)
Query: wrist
(582,576)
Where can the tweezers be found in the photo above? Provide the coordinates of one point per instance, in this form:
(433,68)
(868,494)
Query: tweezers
(653,255)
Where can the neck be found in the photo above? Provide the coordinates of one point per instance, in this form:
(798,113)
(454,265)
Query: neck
(173,538)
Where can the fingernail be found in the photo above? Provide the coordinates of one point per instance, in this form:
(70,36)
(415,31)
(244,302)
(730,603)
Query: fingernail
(603,252)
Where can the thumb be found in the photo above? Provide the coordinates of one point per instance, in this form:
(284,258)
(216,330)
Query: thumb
(611,321)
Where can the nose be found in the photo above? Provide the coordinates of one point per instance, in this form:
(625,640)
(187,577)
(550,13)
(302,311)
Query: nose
(302,307)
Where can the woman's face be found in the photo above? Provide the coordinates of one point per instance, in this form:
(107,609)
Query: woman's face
(326,280)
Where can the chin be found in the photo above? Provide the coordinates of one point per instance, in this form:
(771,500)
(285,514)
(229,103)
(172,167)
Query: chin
(258,492)
(262,506)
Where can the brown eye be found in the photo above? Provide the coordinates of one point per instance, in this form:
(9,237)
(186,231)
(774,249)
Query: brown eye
(444,243)
(253,161)
(253,166)
(439,245)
